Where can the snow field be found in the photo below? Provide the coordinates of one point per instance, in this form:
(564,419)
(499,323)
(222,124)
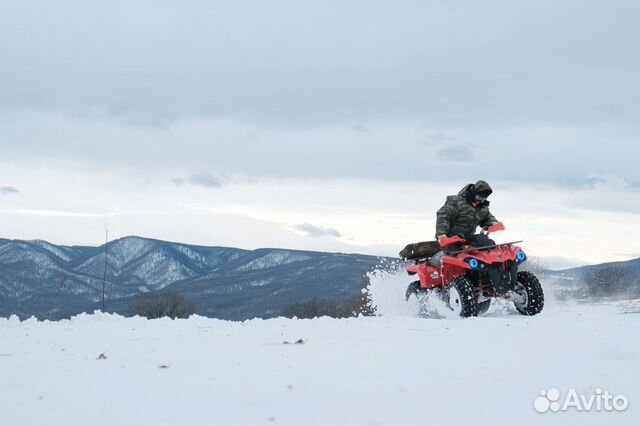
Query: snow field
(393,369)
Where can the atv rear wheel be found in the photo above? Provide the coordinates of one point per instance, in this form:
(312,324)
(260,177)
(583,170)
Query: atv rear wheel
(529,291)
(420,294)
(413,289)
(460,296)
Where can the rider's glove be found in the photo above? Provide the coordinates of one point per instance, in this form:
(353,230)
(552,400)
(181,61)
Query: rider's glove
(498,226)
(445,241)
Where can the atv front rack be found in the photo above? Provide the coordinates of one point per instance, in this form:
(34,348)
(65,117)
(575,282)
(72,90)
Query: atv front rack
(483,247)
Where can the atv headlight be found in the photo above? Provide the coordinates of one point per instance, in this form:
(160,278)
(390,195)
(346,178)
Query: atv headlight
(474,263)
(521,256)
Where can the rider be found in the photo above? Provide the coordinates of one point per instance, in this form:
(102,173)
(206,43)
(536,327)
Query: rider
(462,214)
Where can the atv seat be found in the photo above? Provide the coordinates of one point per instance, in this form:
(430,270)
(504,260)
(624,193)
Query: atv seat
(423,250)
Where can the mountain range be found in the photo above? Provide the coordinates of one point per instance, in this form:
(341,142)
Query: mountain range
(42,279)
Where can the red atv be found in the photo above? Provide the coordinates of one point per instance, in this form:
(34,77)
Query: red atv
(471,276)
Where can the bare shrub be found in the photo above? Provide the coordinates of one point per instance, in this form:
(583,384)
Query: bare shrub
(163,304)
(358,304)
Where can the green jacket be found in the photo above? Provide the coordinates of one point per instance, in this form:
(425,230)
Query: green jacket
(459,217)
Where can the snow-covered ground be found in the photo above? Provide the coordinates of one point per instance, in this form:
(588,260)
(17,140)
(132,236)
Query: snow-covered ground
(393,369)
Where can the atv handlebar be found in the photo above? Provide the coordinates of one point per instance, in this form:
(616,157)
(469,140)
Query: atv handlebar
(445,241)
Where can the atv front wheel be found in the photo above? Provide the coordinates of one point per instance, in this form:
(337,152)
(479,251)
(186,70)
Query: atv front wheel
(529,292)
(461,298)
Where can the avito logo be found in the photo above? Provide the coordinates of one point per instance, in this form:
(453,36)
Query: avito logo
(600,400)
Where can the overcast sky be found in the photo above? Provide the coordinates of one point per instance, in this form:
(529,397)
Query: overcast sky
(324,125)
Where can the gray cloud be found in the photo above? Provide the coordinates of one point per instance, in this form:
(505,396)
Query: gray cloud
(317,231)
(387,151)
(8,190)
(536,88)
(515,62)
(204,180)
(456,153)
